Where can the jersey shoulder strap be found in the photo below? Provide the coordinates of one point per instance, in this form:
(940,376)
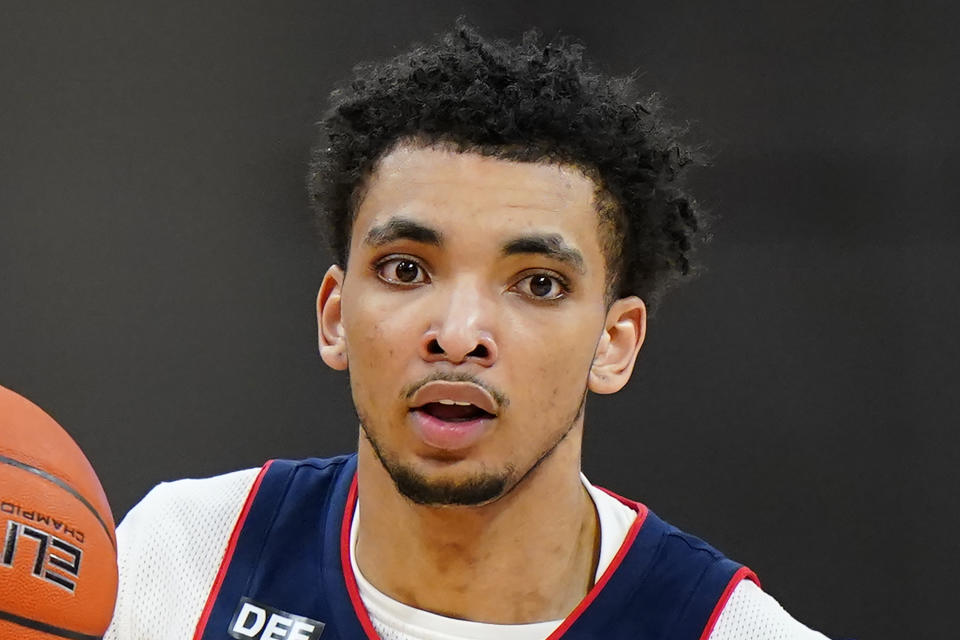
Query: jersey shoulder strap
(281,574)
(663,585)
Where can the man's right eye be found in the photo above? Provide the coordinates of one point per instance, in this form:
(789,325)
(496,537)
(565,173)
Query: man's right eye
(401,271)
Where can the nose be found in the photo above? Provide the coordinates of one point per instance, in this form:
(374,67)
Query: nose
(462,330)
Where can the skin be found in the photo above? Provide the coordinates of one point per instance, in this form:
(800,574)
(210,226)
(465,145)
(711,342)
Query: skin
(473,310)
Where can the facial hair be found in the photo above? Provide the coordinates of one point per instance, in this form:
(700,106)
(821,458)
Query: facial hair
(479,489)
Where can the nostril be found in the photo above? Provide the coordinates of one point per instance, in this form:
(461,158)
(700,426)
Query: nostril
(434,347)
(479,352)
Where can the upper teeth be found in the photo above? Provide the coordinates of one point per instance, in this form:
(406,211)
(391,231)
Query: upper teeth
(461,404)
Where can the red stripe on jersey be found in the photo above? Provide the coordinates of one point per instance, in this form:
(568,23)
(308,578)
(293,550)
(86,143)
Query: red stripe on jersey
(743,573)
(614,564)
(228,554)
(361,611)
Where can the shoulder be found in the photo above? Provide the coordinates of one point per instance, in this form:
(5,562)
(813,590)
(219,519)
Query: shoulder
(191,497)
(171,544)
(205,507)
(752,614)
(724,600)
(190,508)
(169,548)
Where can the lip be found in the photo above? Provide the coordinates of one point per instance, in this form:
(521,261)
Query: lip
(450,436)
(458,392)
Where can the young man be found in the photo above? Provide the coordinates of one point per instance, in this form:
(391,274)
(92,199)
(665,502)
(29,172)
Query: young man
(501,220)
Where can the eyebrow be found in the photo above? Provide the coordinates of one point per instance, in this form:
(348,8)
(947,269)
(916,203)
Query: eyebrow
(551,245)
(399,228)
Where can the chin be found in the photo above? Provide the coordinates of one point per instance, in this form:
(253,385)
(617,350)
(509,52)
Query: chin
(449,489)
(443,480)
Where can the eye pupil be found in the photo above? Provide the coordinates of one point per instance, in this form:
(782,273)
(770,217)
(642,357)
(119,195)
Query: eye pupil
(407,271)
(541,286)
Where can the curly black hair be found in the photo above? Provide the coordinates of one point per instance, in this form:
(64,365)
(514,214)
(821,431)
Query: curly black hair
(532,101)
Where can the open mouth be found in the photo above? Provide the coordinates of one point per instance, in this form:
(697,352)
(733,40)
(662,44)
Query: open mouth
(454,411)
(453,415)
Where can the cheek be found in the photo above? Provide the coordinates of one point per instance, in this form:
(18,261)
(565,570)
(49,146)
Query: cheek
(372,331)
(382,341)
(370,356)
(555,368)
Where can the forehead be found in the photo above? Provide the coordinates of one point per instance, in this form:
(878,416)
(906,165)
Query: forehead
(464,190)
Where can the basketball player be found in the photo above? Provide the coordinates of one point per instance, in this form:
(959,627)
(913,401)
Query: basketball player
(502,220)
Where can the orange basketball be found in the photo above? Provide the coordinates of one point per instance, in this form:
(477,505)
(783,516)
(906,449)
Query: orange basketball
(58,553)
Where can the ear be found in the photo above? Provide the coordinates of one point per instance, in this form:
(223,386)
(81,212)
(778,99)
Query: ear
(333,345)
(623,333)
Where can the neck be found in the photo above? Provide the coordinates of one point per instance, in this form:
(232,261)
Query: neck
(529,556)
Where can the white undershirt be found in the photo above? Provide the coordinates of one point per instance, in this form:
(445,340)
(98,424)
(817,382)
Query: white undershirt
(395,620)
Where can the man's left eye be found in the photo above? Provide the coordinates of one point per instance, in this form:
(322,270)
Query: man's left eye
(542,287)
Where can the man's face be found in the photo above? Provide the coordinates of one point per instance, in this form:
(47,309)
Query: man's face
(471,310)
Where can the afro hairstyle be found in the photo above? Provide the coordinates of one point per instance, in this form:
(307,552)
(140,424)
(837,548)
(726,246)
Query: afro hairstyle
(532,102)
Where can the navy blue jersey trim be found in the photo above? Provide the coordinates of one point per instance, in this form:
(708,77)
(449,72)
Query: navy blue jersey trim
(228,552)
(287,553)
(241,557)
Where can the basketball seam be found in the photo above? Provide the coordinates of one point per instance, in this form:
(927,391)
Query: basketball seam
(66,487)
(46,628)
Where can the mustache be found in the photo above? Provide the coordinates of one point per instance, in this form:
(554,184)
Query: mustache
(450,376)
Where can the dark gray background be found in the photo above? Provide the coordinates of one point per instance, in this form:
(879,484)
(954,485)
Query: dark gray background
(795,406)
